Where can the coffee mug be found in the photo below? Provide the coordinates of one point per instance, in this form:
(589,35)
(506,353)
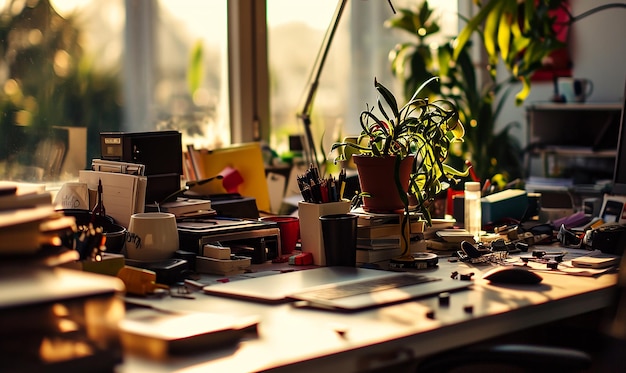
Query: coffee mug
(574,89)
(151,237)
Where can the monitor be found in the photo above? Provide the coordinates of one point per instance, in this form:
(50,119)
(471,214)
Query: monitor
(619,173)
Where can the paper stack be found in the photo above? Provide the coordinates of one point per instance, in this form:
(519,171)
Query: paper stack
(122,194)
(28,219)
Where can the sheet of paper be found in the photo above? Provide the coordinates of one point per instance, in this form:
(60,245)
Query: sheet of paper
(276,185)
(120,192)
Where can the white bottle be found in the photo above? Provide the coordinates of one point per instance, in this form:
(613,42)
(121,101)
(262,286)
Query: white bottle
(473,213)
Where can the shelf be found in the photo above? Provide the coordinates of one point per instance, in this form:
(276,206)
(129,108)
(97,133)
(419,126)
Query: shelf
(570,137)
(572,151)
(555,106)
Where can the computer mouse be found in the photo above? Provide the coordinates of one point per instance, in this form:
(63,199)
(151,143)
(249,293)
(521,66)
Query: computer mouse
(512,275)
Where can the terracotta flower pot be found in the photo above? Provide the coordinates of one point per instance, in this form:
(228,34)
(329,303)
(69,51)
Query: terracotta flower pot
(377,177)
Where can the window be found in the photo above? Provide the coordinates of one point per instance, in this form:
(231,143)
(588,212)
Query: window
(358,53)
(53,87)
(189,96)
(71,69)
(115,66)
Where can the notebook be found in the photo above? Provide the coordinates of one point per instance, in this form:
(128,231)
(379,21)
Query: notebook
(307,287)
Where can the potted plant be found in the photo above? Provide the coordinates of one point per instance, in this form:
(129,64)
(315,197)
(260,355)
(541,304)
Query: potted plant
(412,141)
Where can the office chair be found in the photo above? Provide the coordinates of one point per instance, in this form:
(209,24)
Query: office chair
(509,358)
(601,350)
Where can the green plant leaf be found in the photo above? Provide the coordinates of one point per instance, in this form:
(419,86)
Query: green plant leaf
(472,25)
(195,70)
(507,18)
(491,31)
(521,96)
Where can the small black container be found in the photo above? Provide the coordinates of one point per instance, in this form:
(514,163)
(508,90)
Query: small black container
(115,233)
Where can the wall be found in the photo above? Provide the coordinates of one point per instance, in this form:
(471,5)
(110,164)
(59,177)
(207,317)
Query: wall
(598,52)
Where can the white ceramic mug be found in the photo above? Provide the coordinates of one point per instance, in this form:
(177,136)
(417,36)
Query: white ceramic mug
(152,236)
(574,89)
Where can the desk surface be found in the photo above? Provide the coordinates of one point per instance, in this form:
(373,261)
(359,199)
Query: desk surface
(290,338)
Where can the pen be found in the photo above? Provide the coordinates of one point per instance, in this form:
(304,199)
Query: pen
(485,187)
(471,171)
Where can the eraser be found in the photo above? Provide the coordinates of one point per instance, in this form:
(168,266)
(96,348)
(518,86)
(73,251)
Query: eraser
(301,259)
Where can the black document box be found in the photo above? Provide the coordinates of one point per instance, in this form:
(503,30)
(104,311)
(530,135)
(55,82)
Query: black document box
(255,239)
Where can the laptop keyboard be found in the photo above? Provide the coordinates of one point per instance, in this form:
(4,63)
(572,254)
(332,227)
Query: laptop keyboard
(368,286)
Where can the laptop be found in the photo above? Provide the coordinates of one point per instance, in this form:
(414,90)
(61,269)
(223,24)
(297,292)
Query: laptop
(338,288)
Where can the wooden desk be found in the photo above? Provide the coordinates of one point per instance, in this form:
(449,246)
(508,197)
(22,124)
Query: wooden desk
(304,340)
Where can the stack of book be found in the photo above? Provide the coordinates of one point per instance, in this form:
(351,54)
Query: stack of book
(379,236)
(184,207)
(28,220)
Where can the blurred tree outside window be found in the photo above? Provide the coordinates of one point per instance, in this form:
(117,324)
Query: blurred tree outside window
(50,81)
(139,65)
(66,63)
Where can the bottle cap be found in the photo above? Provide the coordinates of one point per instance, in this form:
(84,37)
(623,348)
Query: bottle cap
(472,186)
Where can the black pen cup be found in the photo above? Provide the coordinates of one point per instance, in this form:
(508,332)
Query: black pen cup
(339,234)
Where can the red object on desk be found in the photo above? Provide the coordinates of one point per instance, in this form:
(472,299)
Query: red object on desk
(231,179)
(450,200)
(303,259)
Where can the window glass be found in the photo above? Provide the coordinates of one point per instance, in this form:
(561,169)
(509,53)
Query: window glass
(59,84)
(70,69)
(191,87)
(359,52)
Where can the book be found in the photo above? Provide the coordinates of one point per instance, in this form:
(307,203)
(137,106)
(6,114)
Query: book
(18,201)
(388,229)
(373,256)
(378,243)
(378,231)
(375,219)
(438,224)
(20,231)
(182,206)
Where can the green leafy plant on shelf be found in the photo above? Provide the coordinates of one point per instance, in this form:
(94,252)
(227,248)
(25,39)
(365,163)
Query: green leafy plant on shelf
(418,134)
